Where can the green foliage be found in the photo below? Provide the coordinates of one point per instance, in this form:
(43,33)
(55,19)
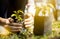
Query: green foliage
(17,15)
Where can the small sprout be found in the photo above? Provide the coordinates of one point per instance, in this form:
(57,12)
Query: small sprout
(13,15)
(17,15)
(14,11)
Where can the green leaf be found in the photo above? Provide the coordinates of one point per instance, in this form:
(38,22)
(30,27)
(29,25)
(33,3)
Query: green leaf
(21,19)
(17,15)
(14,11)
(13,15)
(20,11)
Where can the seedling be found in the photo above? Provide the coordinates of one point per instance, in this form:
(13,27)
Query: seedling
(17,15)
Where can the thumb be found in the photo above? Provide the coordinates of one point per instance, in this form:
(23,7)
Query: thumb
(10,20)
(7,21)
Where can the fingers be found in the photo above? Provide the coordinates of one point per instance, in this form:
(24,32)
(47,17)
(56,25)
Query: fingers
(7,21)
(29,23)
(15,24)
(29,20)
(16,30)
(4,21)
(13,28)
(10,20)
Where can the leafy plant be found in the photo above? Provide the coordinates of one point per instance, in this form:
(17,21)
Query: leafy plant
(17,15)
